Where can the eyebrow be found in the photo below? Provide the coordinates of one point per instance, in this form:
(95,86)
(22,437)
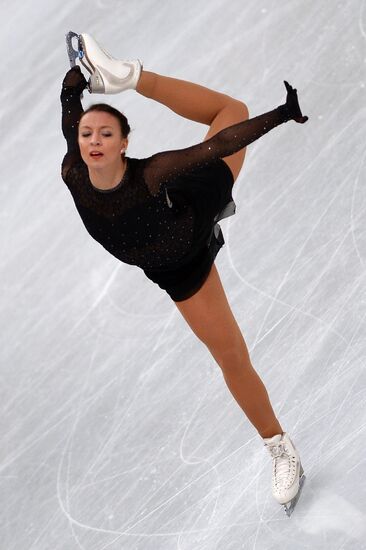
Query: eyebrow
(101,127)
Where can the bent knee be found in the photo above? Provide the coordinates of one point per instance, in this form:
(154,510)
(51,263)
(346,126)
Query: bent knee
(240,108)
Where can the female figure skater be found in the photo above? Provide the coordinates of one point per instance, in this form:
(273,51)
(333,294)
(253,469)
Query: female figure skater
(160,213)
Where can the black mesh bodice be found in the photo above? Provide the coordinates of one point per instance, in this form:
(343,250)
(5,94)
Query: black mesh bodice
(137,227)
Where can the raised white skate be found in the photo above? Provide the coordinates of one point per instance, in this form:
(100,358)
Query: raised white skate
(287,472)
(108,75)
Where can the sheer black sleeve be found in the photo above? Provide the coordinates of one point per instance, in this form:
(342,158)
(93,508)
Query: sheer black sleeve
(163,167)
(72,87)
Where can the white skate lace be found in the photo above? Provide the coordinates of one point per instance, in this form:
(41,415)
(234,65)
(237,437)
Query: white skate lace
(284,465)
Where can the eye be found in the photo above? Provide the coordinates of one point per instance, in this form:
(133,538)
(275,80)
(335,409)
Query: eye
(87,134)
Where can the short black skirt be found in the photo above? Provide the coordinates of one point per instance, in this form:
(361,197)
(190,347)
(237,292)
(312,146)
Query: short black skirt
(209,192)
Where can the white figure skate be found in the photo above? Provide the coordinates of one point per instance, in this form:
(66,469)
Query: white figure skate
(108,75)
(287,472)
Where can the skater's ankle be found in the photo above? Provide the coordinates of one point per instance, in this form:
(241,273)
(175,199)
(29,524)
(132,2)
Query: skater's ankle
(146,83)
(270,434)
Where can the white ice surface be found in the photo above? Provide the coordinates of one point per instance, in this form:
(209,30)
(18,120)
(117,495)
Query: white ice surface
(117,428)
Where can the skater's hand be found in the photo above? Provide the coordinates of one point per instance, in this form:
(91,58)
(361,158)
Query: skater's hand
(74,79)
(293,106)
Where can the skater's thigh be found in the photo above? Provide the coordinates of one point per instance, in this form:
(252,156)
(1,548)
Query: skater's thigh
(209,315)
(234,112)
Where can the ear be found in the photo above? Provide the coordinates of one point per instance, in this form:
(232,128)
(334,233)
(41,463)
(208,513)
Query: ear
(124,145)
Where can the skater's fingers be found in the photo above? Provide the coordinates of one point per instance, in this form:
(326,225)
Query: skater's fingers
(74,70)
(301,120)
(74,78)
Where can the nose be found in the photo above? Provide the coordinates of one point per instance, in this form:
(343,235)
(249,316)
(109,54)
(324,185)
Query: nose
(94,139)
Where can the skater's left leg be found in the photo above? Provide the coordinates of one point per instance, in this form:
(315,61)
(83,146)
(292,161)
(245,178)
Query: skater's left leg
(209,316)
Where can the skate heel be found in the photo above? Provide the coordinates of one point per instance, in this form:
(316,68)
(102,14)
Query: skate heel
(108,75)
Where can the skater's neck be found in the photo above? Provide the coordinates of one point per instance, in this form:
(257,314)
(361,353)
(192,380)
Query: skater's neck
(109,176)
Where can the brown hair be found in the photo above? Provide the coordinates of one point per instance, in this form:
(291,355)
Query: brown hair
(104,107)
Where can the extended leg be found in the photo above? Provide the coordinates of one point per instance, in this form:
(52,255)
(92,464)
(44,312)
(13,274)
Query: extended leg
(210,317)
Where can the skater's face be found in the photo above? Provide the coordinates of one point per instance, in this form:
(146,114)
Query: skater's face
(100,140)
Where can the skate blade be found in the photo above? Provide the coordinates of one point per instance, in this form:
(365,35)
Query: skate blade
(71,52)
(290,506)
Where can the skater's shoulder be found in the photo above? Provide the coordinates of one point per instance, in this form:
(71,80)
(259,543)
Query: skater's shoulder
(137,166)
(134,162)
(72,166)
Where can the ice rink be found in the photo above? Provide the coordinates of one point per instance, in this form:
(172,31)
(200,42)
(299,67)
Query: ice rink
(118,431)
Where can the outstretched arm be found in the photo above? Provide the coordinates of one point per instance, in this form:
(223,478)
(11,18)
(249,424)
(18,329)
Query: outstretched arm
(72,87)
(163,167)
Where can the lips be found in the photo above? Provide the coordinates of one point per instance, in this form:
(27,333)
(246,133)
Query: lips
(95,154)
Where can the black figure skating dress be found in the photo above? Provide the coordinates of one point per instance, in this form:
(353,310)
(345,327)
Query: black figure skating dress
(163,216)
